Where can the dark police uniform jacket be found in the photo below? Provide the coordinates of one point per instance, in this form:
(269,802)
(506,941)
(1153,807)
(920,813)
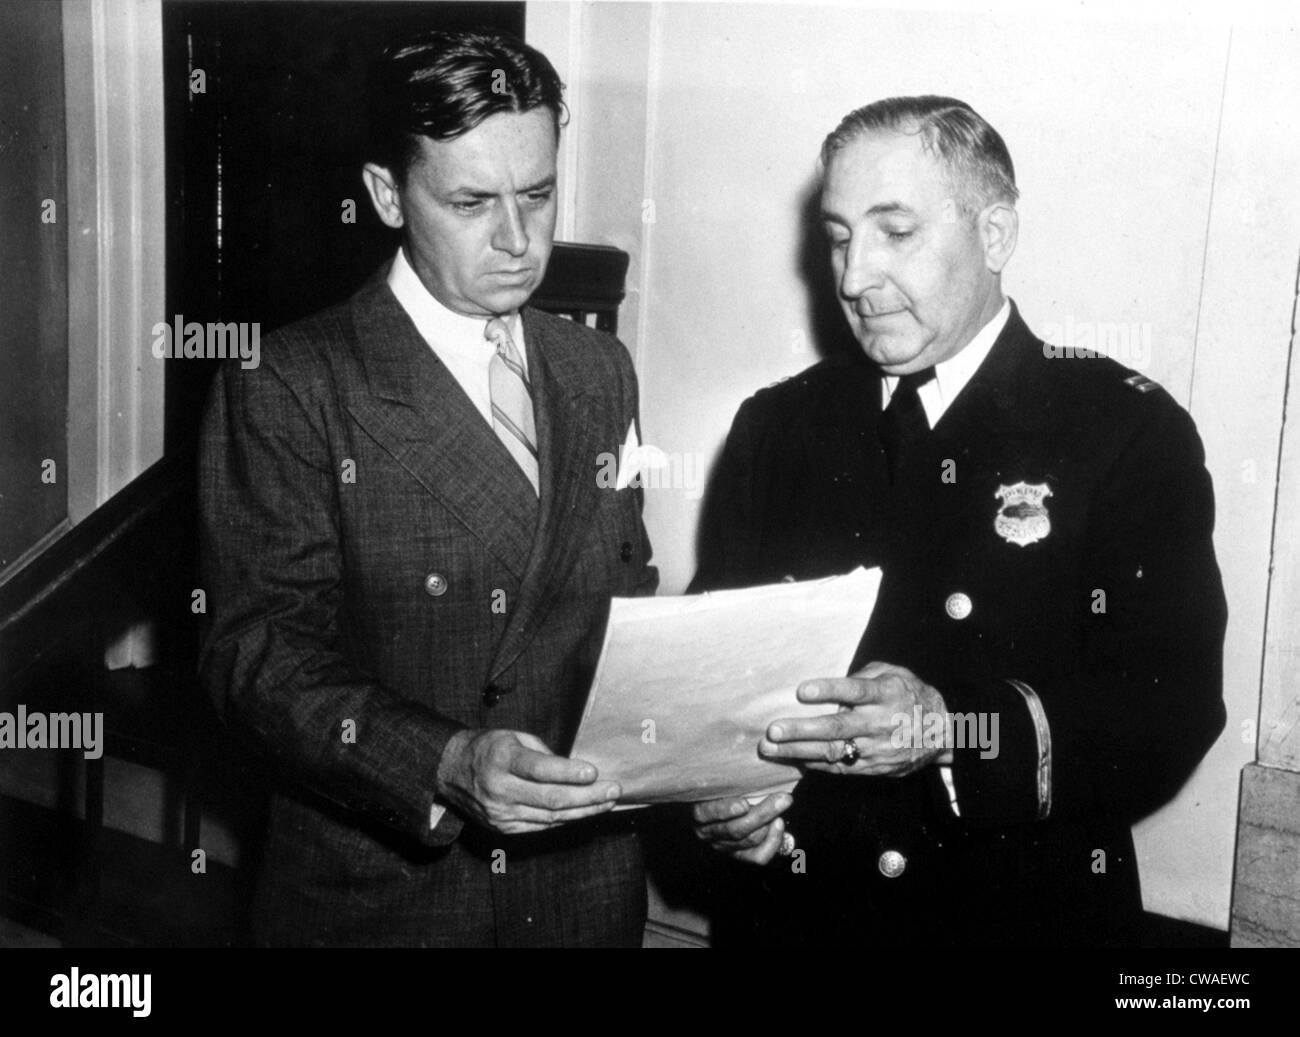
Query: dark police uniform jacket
(1047,558)
(380,575)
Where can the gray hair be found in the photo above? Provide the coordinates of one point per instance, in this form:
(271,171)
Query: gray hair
(979,165)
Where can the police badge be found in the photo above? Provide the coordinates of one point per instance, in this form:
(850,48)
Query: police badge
(1022,519)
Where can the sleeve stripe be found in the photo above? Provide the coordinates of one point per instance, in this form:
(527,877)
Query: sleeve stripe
(1044,734)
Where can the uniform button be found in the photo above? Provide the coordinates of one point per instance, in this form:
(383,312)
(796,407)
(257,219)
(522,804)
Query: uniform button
(892,864)
(958,605)
(491,695)
(625,552)
(435,585)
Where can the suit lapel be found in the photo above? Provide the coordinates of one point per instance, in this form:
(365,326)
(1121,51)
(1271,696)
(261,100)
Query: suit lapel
(416,410)
(568,445)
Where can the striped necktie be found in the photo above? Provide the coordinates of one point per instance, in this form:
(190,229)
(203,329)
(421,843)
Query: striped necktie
(512,403)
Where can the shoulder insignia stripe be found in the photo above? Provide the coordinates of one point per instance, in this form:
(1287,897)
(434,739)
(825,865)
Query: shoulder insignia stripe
(1141,383)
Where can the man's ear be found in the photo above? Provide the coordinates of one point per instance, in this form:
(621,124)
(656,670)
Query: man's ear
(385,195)
(999,228)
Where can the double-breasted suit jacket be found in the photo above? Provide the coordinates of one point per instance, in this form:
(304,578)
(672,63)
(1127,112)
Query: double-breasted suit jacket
(379,575)
(1047,564)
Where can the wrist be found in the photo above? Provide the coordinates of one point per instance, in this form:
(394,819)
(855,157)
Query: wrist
(452,763)
(933,704)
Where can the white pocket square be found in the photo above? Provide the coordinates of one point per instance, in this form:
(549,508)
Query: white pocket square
(629,459)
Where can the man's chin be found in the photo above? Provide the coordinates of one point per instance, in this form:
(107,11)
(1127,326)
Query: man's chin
(889,352)
(506,300)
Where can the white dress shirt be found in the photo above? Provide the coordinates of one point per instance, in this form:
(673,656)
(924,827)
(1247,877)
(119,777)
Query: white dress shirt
(455,339)
(950,378)
(458,342)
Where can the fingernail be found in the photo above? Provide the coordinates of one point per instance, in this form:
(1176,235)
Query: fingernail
(776,732)
(736,809)
(614,793)
(766,748)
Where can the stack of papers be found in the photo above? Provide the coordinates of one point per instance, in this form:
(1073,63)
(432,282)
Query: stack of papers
(686,686)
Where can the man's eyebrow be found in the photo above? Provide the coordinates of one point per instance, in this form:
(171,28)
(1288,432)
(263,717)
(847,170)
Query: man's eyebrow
(881,209)
(472,192)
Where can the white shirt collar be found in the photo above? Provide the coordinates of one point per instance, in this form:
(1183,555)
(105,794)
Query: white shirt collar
(952,375)
(452,336)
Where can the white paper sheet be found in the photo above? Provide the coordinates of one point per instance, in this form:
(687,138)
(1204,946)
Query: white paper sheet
(686,686)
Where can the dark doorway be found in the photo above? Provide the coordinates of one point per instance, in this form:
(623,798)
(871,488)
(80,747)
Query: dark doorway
(264,131)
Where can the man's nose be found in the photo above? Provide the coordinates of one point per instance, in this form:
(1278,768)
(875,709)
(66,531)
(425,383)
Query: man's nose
(510,234)
(864,269)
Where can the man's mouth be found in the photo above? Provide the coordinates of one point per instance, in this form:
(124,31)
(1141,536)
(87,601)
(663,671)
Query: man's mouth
(513,276)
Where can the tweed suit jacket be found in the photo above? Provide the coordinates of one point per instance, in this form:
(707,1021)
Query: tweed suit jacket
(1103,598)
(381,575)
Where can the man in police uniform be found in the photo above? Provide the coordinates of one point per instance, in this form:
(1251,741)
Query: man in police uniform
(1044,526)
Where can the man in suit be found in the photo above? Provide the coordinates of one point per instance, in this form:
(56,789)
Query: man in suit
(1043,665)
(408,558)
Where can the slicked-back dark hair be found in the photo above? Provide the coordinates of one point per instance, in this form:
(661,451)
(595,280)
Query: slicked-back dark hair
(443,84)
(978,162)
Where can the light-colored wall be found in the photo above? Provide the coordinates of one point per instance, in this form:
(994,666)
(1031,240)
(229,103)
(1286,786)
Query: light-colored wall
(1157,163)
(117,211)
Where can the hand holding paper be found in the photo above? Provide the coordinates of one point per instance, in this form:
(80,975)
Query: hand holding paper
(511,782)
(746,831)
(686,687)
(870,702)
